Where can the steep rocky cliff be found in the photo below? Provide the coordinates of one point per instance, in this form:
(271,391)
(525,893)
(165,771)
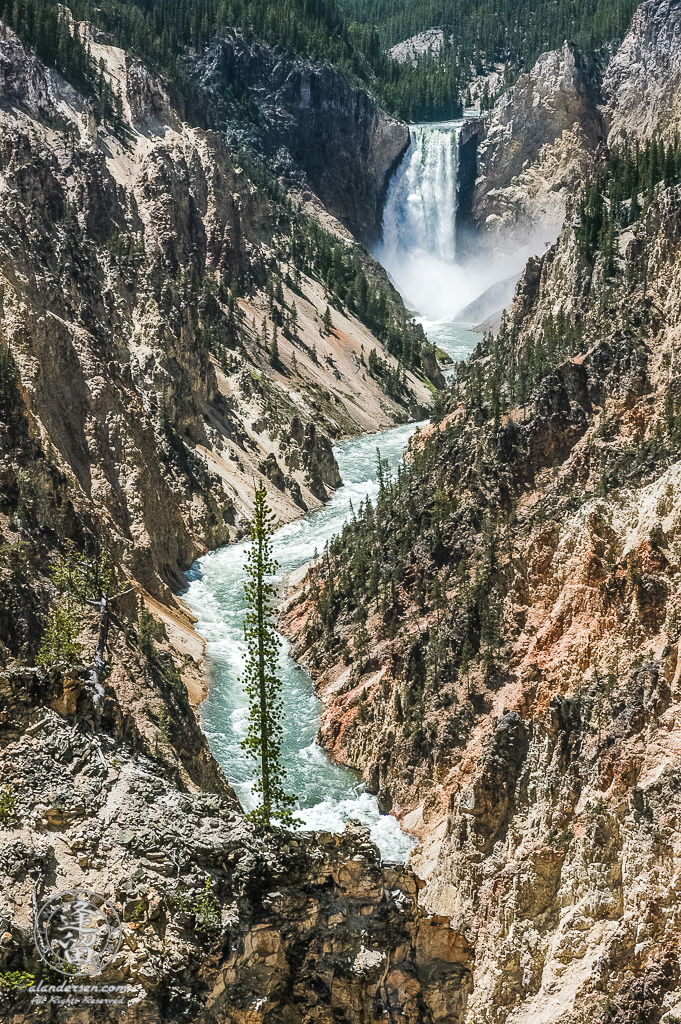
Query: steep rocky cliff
(536,144)
(641,82)
(543,132)
(507,677)
(171,335)
(316,130)
(138,279)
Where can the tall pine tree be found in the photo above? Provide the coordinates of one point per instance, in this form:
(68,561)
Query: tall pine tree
(266,710)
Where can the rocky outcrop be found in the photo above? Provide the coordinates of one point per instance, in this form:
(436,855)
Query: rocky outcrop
(540,136)
(544,133)
(317,130)
(431,369)
(218,924)
(642,83)
(425,44)
(565,914)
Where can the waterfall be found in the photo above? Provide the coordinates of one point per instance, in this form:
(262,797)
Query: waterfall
(418,247)
(420,211)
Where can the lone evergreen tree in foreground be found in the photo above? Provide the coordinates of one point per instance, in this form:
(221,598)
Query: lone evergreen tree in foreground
(263,740)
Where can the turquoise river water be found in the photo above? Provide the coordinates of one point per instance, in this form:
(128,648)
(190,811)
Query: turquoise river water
(328,793)
(419,250)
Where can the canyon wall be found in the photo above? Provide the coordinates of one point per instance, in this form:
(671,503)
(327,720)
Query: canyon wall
(134,266)
(143,276)
(544,132)
(539,139)
(507,677)
(318,132)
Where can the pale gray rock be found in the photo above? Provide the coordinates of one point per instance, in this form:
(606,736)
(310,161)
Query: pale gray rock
(537,139)
(424,44)
(642,84)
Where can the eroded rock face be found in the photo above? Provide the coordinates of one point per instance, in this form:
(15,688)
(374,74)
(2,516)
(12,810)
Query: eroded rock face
(538,136)
(641,86)
(544,132)
(154,396)
(487,803)
(317,129)
(300,927)
(577,898)
(547,798)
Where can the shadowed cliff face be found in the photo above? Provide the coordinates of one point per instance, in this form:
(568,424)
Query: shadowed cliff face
(317,131)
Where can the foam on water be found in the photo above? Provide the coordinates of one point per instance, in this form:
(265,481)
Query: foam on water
(328,794)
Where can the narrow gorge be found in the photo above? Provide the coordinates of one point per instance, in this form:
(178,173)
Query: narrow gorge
(417,283)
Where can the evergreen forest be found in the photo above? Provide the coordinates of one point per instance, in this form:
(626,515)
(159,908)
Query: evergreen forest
(352,34)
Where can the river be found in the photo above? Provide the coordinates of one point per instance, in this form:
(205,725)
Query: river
(419,251)
(328,794)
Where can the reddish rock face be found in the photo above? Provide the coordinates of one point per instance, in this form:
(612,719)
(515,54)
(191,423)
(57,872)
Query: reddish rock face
(539,770)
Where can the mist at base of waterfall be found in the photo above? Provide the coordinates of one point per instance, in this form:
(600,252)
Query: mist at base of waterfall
(437,290)
(419,235)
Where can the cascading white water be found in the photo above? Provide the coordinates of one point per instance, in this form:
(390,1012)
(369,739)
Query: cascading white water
(419,244)
(420,212)
(418,247)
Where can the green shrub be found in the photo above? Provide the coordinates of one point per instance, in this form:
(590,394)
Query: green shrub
(10,401)
(561,840)
(17,557)
(59,641)
(656,536)
(37,505)
(206,911)
(165,726)
(8,803)
(12,981)
(149,631)
(203,908)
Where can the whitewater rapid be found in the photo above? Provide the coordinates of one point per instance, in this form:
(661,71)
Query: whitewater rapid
(328,794)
